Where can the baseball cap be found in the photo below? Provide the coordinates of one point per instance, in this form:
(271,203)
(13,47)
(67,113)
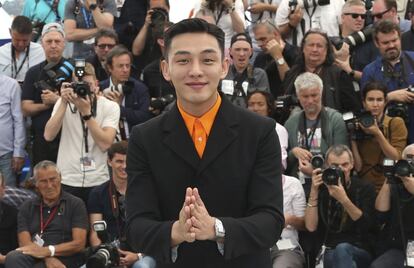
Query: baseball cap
(241,36)
(53,27)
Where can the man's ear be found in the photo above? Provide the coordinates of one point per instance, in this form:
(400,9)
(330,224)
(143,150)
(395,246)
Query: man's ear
(225,68)
(165,70)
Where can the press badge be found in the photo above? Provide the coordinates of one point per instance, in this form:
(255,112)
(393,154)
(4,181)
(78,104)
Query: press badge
(87,164)
(245,86)
(410,253)
(227,87)
(284,244)
(38,240)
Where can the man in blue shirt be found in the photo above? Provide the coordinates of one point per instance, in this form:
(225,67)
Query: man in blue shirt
(395,68)
(13,134)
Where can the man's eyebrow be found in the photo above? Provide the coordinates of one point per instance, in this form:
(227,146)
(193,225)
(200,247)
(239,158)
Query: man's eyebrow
(185,52)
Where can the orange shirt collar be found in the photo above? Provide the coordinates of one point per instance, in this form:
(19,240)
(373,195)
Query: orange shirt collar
(206,119)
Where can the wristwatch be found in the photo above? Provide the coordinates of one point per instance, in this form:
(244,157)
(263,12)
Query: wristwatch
(92,7)
(352,73)
(86,117)
(280,61)
(220,232)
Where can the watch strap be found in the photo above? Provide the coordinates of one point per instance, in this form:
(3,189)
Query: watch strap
(52,250)
(93,6)
(86,117)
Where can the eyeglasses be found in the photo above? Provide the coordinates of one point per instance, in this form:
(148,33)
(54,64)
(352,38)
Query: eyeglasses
(103,46)
(356,15)
(379,15)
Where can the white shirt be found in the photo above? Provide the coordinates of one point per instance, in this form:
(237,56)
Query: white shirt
(283,140)
(72,145)
(326,18)
(294,203)
(36,56)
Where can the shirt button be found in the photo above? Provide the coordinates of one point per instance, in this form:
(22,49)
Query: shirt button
(200,139)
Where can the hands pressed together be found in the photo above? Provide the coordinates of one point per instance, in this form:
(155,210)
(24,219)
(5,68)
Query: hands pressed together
(194,223)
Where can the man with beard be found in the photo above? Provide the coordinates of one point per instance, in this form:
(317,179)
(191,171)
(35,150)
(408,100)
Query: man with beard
(242,77)
(394,68)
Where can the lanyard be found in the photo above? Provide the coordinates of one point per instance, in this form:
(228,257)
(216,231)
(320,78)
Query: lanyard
(15,71)
(49,219)
(217,19)
(308,140)
(115,207)
(85,135)
(87,17)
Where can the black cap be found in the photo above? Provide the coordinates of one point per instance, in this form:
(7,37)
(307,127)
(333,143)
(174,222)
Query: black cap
(241,36)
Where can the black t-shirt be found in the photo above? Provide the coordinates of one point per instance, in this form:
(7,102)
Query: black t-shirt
(100,72)
(154,80)
(8,228)
(99,203)
(150,53)
(30,92)
(267,63)
(407,40)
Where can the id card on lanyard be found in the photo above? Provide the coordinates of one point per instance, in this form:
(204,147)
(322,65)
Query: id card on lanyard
(87,17)
(37,239)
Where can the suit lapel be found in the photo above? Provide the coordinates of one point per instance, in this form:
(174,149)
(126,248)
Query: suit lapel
(177,138)
(222,134)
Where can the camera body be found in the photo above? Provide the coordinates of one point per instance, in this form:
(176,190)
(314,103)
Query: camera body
(81,88)
(159,16)
(125,88)
(57,73)
(37,27)
(365,118)
(332,175)
(105,255)
(393,170)
(286,102)
(161,102)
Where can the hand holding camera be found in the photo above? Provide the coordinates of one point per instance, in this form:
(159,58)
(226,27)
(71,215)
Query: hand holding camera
(257,8)
(316,179)
(275,48)
(337,191)
(49,97)
(401,95)
(115,96)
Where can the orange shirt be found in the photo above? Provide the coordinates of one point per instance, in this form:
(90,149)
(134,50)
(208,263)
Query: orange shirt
(200,127)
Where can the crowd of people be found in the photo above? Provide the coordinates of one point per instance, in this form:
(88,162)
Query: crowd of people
(269,133)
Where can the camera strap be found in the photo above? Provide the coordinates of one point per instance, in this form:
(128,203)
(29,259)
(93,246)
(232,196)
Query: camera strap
(84,126)
(310,15)
(219,15)
(87,17)
(308,139)
(15,71)
(113,197)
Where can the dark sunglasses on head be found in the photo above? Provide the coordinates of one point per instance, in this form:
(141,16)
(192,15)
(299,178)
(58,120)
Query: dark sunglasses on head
(103,46)
(379,15)
(356,15)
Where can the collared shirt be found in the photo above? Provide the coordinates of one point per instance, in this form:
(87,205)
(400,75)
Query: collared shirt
(13,132)
(36,55)
(200,127)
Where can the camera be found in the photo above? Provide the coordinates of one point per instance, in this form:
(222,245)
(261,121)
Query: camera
(332,175)
(307,3)
(125,88)
(286,102)
(105,255)
(394,170)
(399,109)
(355,39)
(81,88)
(37,27)
(57,73)
(317,161)
(159,16)
(161,102)
(365,118)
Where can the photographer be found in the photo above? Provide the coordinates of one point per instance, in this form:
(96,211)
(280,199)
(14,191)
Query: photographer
(20,54)
(312,130)
(83,19)
(88,124)
(354,48)
(394,205)
(341,209)
(385,138)
(144,45)
(242,78)
(295,17)
(130,94)
(394,69)
(101,206)
(38,98)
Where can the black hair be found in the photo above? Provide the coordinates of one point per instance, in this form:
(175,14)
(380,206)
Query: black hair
(195,25)
(106,32)
(374,85)
(167,3)
(117,51)
(270,101)
(385,27)
(117,148)
(22,25)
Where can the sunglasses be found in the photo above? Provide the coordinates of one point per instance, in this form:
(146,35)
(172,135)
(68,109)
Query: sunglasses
(379,15)
(103,46)
(356,15)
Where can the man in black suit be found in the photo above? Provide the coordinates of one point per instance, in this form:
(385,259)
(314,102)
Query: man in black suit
(204,179)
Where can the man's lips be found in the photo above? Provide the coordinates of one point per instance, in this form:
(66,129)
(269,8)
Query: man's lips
(196,85)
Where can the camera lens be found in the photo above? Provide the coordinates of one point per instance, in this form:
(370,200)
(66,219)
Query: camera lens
(366,119)
(403,168)
(331,175)
(317,161)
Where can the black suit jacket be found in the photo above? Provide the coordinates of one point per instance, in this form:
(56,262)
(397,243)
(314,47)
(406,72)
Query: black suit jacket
(238,177)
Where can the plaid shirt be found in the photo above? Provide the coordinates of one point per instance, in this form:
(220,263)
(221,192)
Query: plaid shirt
(16,196)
